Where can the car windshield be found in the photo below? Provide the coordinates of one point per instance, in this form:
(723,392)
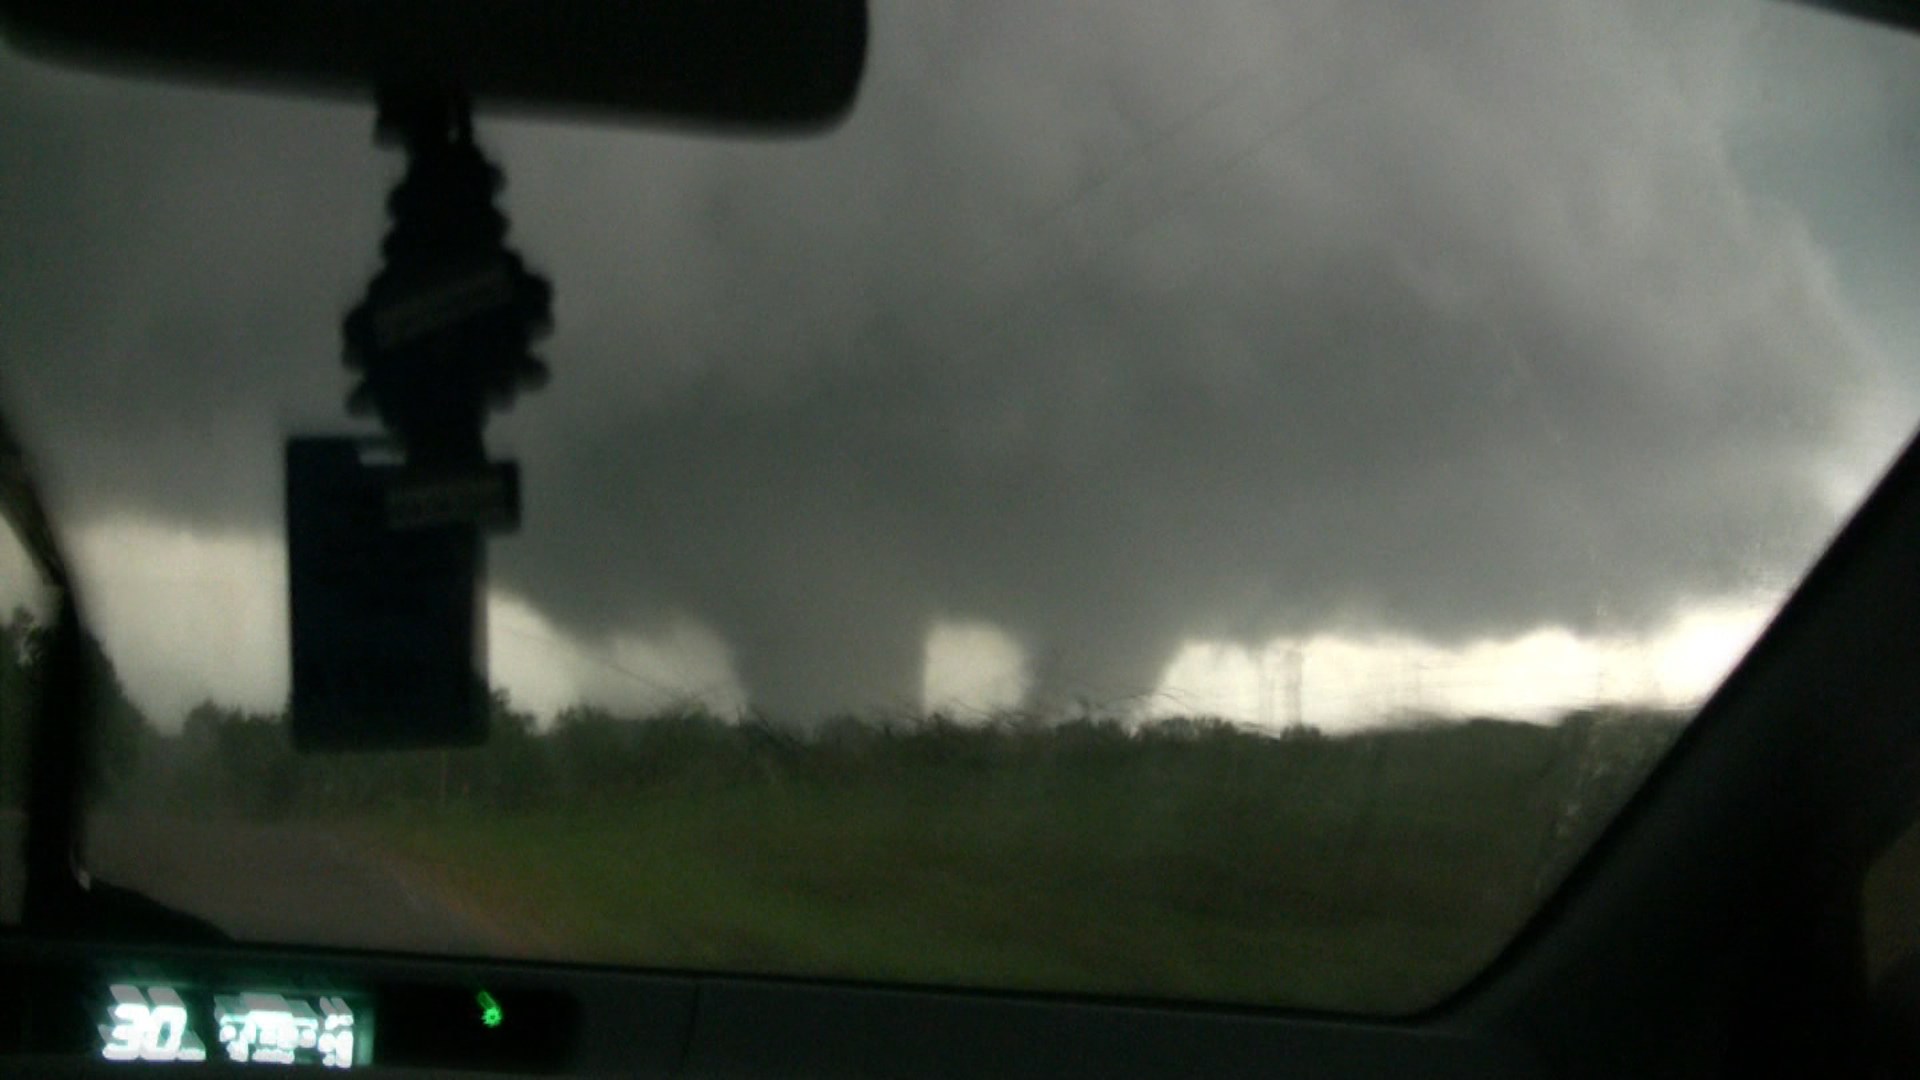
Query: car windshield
(1217,501)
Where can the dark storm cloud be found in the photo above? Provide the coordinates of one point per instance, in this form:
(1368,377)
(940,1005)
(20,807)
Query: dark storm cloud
(1111,328)
(1834,129)
(176,262)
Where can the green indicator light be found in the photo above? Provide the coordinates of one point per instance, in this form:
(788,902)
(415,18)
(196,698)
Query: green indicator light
(489,1009)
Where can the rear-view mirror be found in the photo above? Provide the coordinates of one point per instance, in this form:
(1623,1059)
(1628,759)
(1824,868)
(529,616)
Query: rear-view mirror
(765,65)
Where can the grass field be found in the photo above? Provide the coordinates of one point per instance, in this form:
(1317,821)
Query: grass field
(1372,872)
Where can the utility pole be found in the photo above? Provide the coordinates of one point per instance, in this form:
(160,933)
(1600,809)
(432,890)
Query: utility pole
(1296,660)
(1266,686)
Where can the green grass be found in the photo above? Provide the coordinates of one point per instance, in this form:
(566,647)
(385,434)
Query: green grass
(1371,873)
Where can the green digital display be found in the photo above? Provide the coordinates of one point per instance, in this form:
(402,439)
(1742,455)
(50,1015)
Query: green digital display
(149,1025)
(169,1023)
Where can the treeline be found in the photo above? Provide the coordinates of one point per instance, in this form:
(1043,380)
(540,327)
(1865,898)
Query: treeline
(230,762)
(116,729)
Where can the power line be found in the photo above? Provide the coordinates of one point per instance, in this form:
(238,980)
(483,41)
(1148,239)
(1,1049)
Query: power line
(992,316)
(997,316)
(660,689)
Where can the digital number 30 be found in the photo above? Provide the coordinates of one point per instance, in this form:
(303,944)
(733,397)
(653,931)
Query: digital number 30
(144,1031)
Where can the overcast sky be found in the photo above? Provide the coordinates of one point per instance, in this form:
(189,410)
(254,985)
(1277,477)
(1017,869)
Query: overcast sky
(1103,347)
